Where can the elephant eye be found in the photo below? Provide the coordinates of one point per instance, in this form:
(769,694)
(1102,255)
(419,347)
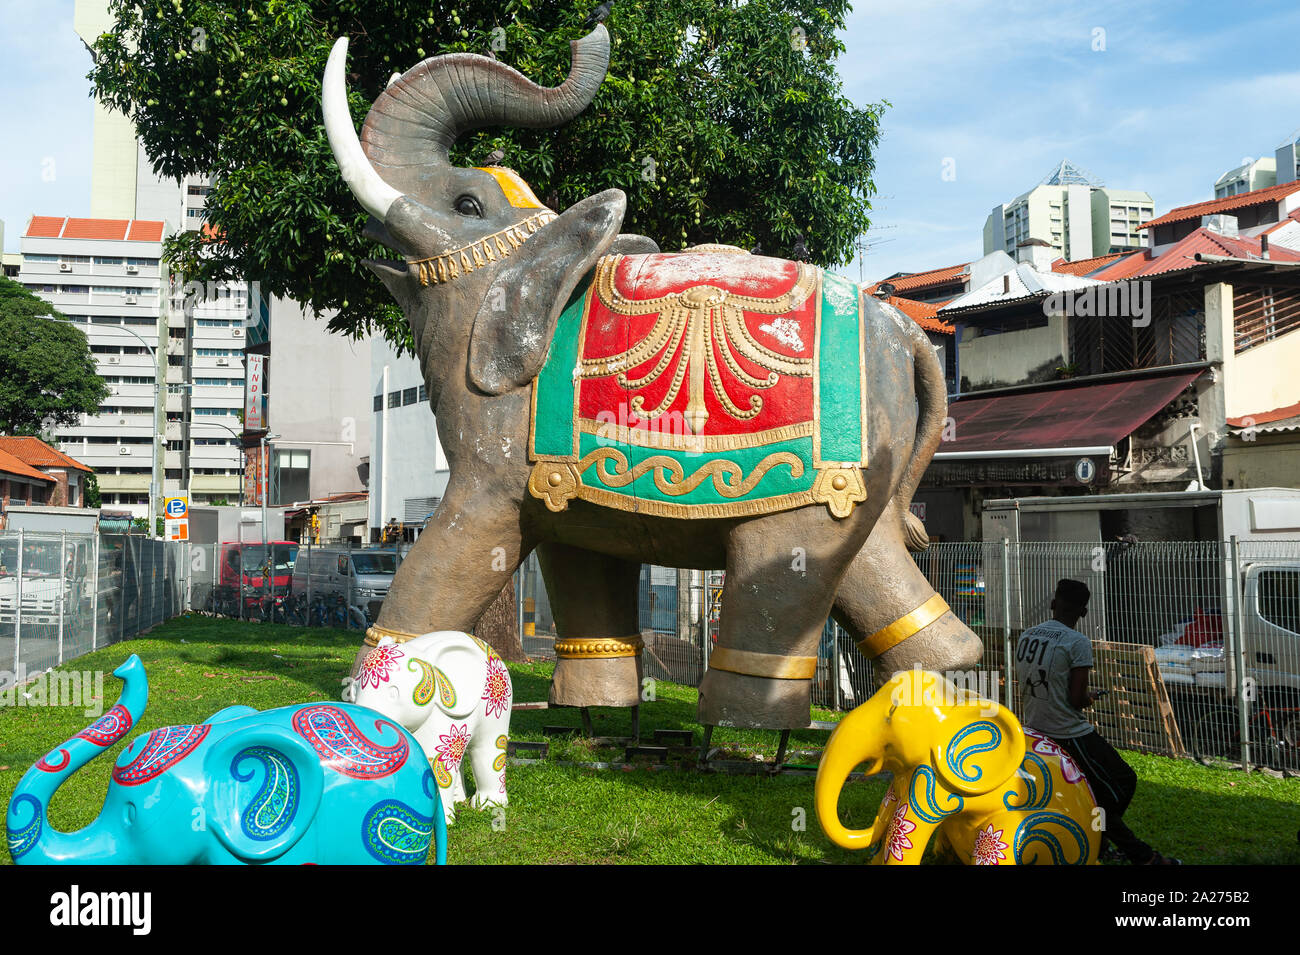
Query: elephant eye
(468,206)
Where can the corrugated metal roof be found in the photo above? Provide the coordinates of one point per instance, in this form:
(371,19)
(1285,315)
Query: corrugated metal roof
(1023,283)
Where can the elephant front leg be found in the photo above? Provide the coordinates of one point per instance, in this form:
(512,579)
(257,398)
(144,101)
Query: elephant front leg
(462,560)
(894,613)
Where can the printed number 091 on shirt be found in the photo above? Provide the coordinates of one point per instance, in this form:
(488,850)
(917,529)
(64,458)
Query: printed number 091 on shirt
(1028,648)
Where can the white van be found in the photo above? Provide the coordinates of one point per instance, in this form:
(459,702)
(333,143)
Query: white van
(361,576)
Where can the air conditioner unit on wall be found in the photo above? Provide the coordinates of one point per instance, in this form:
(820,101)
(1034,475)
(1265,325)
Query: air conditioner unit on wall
(223,361)
(132,269)
(123,450)
(113,360)
(130,300)
(236,333)
(65,267)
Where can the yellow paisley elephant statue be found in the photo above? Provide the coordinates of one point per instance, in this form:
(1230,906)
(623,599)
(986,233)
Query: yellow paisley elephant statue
(965,773)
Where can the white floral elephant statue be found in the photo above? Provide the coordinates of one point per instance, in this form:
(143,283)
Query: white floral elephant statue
(452,692)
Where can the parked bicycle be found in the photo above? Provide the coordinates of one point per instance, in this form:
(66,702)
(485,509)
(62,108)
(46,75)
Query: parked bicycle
(1272,729)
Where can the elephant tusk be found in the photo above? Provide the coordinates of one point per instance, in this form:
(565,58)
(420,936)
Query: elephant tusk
(375,195)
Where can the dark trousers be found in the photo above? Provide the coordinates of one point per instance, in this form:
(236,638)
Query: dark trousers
(1113,783)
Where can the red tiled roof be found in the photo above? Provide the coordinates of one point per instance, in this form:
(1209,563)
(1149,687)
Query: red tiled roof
(96,228)
(923,313)
(45,227)
(145,231)
(11,465)
(1082,267)
(1265,417)
(55,227)
(1182,255)
(935,278)
(37,453)
(1240,201)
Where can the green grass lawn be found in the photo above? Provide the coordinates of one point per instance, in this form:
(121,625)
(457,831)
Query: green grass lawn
(570,814)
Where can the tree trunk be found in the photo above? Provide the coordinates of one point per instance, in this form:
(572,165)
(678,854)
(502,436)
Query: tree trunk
(499,627)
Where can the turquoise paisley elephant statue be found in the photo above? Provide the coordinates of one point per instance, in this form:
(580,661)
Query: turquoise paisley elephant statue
(325,783)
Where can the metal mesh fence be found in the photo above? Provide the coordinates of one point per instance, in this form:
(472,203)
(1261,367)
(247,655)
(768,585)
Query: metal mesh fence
(62,595)
(1196,642)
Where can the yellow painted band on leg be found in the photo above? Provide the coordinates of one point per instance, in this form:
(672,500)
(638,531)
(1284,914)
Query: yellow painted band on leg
(905,626)
(774,666)
(597,648)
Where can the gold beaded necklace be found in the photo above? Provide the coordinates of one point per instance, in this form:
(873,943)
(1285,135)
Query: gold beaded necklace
(437,269)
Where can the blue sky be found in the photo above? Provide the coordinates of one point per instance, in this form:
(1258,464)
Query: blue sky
(1005,89)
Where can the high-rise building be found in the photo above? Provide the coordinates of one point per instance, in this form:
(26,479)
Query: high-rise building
(1074,213)
(105,275)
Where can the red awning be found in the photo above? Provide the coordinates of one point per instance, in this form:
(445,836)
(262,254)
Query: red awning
(1068,416)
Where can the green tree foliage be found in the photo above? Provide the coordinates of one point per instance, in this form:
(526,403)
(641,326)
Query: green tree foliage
(47,374)
(93,496)
(722,120)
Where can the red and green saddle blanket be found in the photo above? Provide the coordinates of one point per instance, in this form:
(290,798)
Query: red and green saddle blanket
(703,384)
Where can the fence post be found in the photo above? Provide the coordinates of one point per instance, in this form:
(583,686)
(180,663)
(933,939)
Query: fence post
(706,636)
(1006,623)
(1238,655)
(835,666)
(64,583)
(18,604)
(94,597)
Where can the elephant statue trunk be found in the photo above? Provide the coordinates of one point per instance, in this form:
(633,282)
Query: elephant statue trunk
(856,739)
(31,837)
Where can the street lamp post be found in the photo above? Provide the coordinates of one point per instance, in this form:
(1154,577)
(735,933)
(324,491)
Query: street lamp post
(154,486)
(266,543)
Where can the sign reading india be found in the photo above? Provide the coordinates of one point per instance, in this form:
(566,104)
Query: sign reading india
(703,384)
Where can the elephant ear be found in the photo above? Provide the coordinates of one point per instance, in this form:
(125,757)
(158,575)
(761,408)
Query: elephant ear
(266,789)
(514,325)
(445,666)
(980,746)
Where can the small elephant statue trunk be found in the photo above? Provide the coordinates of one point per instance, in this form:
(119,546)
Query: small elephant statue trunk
(319,783)
(965,772)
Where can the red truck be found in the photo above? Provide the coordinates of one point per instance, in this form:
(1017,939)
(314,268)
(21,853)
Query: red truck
(243,567)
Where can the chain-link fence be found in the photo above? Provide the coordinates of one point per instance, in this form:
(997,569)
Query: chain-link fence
(62,595)
(1196,642)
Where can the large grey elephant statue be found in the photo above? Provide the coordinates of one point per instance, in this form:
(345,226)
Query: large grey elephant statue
(608,405)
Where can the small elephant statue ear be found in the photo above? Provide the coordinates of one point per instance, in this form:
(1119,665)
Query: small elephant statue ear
(269,790)
(514,325)
(979,748)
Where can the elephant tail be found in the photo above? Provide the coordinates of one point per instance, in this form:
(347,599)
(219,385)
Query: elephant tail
(932,412)
(31,839)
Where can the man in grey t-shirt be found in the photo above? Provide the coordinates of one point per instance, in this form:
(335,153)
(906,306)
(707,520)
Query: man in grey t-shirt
(1053,661)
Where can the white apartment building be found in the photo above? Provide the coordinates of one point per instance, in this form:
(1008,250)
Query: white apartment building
(1074,213)
(1276,170)
(104,274)
(408,467)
